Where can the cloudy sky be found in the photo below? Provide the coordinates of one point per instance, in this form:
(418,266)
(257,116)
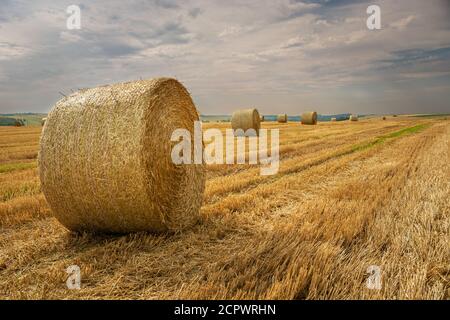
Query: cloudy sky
(277,55)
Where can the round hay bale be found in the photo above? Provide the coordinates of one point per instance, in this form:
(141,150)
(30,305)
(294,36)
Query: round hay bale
(105,159)
(395,116)
(384,118)
(309,118)
(353,117)
(333,120)
(246,119)
(282,118)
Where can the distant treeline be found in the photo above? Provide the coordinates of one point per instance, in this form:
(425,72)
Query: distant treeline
(431,115)
(5,121)
(21,119)
(20,114)
(271,117)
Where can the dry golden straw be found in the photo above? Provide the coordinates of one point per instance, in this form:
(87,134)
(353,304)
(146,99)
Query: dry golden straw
(246,119)
(282,118)
(43,121)
(353,117)
(309,118)
(105,159)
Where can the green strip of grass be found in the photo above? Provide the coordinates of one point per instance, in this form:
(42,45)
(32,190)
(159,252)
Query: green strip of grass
(431,115)
(8,167)
(392,135)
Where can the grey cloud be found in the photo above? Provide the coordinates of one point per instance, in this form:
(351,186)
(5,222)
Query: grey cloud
(195,12)
(168,4)
(168,33)
(113,49)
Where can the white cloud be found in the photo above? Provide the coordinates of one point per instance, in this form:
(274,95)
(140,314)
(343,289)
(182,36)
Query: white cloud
(322,22)
(294,7)
(403,23)
(233,31)
(70,36)
(169,51)
(9,51)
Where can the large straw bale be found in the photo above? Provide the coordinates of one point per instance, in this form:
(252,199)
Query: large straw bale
(105,159)
(246,119)
(309,118)
(353,117)
(282,118)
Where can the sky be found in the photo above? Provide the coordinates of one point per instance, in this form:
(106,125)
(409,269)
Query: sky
(280,56)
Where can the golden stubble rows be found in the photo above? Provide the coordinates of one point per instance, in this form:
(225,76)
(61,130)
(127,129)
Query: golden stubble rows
(311,232)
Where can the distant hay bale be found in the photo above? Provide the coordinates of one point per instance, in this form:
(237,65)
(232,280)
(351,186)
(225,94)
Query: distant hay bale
(282,118)
(19,122)
(353,117)
(394,115)
(384,118)
(105,159)
(333,120)
(245,120)
(309,118)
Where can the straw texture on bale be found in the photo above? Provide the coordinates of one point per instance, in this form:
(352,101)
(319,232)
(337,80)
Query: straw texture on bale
(333,119)
(246,119)
(353,117)
(43,121)
(105,159)
(309,117)
(282,118)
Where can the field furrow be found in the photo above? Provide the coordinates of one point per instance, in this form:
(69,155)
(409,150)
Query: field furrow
(346,197)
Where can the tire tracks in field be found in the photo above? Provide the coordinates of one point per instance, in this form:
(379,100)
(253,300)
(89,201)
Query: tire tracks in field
(300,147)
(377,243)
(246,181)
(202,258)
(140,266)
(317,239)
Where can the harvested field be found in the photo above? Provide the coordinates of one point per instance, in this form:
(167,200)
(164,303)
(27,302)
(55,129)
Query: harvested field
(347,196)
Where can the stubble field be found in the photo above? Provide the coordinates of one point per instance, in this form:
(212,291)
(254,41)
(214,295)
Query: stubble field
(347,196)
